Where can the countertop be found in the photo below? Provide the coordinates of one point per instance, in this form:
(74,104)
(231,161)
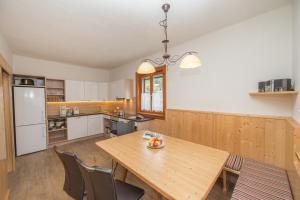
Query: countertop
(126,116)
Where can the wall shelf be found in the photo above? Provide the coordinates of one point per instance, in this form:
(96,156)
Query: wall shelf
(57,134)
(283,93)
(55,90)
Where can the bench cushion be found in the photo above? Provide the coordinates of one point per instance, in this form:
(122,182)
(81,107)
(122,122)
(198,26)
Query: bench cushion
(234,162)
(261,181)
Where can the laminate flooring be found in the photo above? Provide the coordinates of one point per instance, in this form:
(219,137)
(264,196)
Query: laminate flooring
(40,176)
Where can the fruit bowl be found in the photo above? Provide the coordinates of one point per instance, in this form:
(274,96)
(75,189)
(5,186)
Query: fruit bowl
(155,143)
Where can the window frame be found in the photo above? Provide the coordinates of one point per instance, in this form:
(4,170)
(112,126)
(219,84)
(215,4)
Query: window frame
(153,114)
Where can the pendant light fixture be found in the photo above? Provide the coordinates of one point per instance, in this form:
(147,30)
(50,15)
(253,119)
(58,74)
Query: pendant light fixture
(188,60)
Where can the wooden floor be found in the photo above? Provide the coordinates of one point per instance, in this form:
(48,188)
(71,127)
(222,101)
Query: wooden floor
(41,175)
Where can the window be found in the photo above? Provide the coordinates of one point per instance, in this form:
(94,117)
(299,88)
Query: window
(151,93)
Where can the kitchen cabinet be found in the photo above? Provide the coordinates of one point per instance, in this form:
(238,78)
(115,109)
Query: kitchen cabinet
(95,124)
(103,91)
(81,90)
(77,127)
(98,91)
(121,89)
(74,90)
(91,91)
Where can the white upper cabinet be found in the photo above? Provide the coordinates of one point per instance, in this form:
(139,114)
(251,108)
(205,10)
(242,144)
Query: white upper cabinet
(121,89)
(98,91)
(113,90)
(74,90)
(103,91)
(91,91)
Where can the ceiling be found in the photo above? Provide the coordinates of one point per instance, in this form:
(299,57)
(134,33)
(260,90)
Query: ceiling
(109,33)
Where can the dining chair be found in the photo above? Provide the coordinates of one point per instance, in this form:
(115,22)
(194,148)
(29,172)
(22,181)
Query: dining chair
(74,183)
(101,185)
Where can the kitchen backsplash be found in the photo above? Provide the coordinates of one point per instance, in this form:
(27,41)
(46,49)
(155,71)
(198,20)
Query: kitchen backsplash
(85,107)
(129,106)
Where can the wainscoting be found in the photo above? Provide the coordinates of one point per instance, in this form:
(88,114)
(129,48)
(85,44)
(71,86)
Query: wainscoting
(273,140)
(258,137)
(292,161)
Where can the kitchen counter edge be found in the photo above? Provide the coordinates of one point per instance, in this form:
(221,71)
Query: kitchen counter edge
(100,113)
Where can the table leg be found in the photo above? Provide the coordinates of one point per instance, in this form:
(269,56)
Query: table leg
(114,167)
(125,175)
(224,182)
(158,196)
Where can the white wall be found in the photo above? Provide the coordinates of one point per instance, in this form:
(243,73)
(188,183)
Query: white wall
(296,63)
(56,70)
(5,51)
(234,60)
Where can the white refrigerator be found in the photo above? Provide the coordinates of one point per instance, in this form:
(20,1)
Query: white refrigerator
(30,127)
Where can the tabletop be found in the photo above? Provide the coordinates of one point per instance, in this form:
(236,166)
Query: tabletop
(181,170)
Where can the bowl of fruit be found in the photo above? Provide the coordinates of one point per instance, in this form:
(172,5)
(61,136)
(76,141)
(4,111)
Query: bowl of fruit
(155,143)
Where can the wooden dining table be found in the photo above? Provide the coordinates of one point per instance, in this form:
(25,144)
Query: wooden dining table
(181,170)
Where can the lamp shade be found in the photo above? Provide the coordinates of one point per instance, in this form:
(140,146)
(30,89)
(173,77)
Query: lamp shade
(190,61)
(146,68)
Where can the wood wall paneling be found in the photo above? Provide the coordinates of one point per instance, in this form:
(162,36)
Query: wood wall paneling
(252,138)
(226,129)
(260,138)
(273,140)
(292,163)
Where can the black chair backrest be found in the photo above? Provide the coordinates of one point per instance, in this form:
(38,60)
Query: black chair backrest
(99,183)
(74,183)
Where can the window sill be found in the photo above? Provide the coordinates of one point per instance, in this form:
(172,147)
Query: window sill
(153,115)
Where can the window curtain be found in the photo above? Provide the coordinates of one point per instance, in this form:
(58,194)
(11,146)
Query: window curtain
(146,102)
(157,102)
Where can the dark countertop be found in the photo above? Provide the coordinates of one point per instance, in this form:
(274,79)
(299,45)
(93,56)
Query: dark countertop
(127,117)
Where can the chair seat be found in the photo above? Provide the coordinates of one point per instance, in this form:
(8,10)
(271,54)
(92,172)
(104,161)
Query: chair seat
(126,191)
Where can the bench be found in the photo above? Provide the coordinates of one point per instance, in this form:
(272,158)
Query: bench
(258,180)
(233,165)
